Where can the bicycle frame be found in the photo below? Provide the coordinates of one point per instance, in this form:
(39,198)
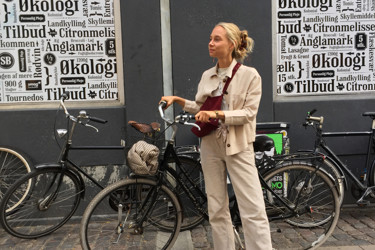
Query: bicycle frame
(64,162)
(364,185)
(170,153)
(342,166)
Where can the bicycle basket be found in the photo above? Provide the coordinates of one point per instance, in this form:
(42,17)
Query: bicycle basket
(143,158)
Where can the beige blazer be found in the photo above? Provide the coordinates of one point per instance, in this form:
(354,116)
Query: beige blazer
(244,94)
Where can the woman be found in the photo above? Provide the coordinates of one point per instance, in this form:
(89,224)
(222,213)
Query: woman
(229,149)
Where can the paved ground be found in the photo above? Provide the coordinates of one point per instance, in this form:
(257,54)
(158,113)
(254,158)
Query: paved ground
(355,231)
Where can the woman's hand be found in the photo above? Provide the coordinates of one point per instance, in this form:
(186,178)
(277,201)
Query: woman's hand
(204,116)
(168,99)
(171,99)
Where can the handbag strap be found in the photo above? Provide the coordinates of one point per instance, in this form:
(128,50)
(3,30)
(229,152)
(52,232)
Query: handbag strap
(230,79)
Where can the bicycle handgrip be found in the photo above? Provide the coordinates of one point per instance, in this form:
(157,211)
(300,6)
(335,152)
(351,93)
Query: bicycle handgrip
(98,120)
(371,114)
(311,112)
(163,104)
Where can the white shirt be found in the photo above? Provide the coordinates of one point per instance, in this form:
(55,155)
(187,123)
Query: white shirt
(222,74)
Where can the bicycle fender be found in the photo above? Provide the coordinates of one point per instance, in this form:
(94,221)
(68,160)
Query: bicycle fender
(59,166)
(328,158)
(193,156)
(48,165)
(371,173)
(189,152)
(346,185)
(305,163)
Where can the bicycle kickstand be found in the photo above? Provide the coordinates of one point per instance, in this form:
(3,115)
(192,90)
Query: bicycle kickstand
(120,227)
(238,238)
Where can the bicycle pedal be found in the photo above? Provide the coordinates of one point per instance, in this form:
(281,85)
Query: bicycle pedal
(363,203)
(309,209)
(137,231)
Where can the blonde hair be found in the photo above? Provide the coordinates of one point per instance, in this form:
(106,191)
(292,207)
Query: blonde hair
(243,44)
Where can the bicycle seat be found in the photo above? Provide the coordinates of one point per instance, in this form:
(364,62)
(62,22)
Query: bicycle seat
(145,128)
(263,143)
(371,114)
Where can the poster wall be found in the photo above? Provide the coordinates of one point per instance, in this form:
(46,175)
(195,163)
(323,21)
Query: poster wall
(48,47)
(325,47)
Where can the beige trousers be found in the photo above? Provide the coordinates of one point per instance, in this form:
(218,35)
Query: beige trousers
(244,177)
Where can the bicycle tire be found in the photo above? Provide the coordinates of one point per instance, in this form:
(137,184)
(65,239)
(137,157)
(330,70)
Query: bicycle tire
(339,177)
(14,164)
(315,201)
(101,226)
(192,217)
(323,221)
(32,218)
(371,178)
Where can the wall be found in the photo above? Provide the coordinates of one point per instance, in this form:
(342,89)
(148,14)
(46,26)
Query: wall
(31,130)
(191,24)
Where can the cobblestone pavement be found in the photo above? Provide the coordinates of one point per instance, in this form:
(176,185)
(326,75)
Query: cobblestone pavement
(355,230)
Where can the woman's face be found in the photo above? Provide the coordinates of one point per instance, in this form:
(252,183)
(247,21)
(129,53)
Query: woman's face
(219,45)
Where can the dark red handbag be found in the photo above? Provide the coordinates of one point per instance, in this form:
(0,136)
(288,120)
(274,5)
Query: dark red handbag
(212,103)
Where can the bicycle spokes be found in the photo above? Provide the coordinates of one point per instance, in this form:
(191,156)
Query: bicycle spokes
(133,214)
(132,201)
(302,200)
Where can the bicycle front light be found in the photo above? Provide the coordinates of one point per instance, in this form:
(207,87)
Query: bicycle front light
(61,132)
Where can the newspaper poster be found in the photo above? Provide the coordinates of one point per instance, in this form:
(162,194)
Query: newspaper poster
(48,47)
(325,47)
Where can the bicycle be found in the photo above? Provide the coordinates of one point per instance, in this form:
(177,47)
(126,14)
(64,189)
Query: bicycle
(132,209)
(363,187)
(13,165)
(55,189)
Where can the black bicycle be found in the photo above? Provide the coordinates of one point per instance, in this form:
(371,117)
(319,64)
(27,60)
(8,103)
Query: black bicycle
(54,190)
(364,185)
(145,211)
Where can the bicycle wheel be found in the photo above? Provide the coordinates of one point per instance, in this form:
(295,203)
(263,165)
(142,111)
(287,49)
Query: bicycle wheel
(194,181)
(371,178)
(13,165)
(123,215)
(52,201)
(312,195)
(315,223)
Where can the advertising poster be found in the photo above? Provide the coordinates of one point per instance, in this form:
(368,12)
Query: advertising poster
(48,47)
(325,47)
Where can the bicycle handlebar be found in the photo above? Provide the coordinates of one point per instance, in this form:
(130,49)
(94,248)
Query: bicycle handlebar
(182,118)
(62,99)
(82,114)
(161,108)
(311,119)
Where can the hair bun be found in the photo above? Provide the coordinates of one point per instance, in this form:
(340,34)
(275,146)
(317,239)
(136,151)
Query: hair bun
(243,44)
